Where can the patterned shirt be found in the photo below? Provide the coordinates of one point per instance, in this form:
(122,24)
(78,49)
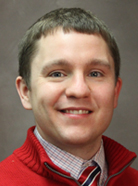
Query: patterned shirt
(72,164)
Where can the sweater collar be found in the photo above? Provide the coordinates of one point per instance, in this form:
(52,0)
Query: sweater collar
(117,156)
(33,155)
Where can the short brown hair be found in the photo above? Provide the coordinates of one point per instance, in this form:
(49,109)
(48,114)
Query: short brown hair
(69,19)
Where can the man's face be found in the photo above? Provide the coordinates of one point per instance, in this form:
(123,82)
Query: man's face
(73,91)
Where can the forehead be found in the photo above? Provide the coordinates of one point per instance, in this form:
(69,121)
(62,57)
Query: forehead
(72,46)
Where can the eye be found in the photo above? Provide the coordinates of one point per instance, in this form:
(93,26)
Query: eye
(56,74)
(95,74)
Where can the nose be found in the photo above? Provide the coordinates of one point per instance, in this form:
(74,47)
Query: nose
(77,87)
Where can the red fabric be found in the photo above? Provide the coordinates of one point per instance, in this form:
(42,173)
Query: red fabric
(29,166)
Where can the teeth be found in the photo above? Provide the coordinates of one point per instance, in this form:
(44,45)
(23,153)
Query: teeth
(77,111)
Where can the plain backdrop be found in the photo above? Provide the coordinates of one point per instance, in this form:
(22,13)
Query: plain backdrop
(17,15)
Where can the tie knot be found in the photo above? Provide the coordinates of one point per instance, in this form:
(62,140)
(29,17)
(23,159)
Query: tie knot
(90,176)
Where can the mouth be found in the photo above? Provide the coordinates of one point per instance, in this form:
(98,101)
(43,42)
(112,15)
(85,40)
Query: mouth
(76,112)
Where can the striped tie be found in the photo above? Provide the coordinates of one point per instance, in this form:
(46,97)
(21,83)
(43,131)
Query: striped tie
(90,176)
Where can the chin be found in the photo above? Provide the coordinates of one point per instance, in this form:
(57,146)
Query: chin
(77,140)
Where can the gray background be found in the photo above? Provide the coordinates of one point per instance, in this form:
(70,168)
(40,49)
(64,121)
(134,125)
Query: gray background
(17,15)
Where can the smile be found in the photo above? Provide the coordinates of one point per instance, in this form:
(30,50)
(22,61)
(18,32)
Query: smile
(76,111)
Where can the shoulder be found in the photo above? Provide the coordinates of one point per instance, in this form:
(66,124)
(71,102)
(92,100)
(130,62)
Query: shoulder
(9,165)
(14,172)
(7,162)
(11,171)
(7,168)
(132,173)
(130,177)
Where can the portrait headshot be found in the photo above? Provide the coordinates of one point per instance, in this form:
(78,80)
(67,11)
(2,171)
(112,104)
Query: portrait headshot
(69,93)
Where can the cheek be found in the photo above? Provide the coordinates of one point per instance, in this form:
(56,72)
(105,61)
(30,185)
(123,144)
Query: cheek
(105,96)
(50,94)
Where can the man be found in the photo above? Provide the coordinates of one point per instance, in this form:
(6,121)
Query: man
(69,77)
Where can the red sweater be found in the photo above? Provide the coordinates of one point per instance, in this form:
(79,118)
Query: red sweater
(29,165)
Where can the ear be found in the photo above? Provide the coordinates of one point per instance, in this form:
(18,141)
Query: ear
(117,91)
(24,93)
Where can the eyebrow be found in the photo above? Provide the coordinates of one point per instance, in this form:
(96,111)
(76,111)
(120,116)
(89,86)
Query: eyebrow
(65,63)
(54,63)
(99,62)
